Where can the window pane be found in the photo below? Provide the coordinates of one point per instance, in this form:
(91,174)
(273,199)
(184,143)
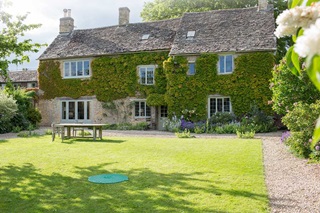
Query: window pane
(142,109)
(136,109)
(73,68)
(148,111)
(229,63)
(226,105)
(192,69)
(66,69)
(79,68)
(219,104)
(150,75)
(163,111)
(86,68)
(81,110)
(71,110)
(221,64)
(213,105)
(143,75)
(88,110)
(64,110)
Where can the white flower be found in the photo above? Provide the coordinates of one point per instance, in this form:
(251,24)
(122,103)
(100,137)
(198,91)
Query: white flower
(309,43)
(291,20)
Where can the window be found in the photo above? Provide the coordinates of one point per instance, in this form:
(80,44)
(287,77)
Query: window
(76,69)
(163,111)
(31,85)
(192,68)
(191,34)
(145,36)
(146,74)
(225,65)
(141,109)
(75,111)
(218,104)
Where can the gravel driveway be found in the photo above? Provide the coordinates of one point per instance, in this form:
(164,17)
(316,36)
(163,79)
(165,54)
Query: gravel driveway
(293,184)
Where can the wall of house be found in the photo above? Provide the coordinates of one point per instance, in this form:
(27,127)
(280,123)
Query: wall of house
(115,80)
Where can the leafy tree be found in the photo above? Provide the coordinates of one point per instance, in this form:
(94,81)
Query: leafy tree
(288,89)
(166,9)
(12,47)
(8,109)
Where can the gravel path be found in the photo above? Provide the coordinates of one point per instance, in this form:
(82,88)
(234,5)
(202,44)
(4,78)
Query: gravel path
(293,184)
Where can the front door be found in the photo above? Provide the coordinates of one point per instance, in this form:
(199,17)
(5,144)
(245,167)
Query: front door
(163,116)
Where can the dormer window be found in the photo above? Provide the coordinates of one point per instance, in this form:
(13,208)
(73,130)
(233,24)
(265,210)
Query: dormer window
(145,36)
(191,34)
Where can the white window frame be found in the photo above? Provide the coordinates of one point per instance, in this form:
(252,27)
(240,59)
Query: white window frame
(31,85)
(145,36)
(146,67)
(69,62)
(191,62)
(76,119)
(145,109)
(191,34)
(225,64)
(218,97)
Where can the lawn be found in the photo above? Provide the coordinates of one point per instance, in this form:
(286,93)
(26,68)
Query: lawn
(165,175)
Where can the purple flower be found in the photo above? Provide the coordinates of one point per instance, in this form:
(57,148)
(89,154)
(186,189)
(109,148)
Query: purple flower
(317,148)
(285,136)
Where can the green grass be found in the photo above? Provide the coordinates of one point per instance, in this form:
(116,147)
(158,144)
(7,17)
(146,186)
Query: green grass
(165,175)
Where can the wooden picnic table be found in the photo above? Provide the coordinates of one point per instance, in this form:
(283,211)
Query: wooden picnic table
(60,129)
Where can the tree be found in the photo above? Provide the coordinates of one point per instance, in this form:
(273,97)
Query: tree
(166,9)
(8,109)
(11,43)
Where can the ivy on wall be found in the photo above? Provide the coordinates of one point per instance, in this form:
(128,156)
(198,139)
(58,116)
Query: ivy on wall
(247,85)
(116,77)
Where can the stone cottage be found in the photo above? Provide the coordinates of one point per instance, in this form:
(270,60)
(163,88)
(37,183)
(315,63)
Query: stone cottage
(199,64)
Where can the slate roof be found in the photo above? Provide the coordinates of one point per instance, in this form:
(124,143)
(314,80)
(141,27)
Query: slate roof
(232,30)
(22,76)
(113,40)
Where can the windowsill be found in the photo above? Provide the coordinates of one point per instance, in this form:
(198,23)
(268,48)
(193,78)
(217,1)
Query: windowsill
(142,117)
(228,73)
(76,77)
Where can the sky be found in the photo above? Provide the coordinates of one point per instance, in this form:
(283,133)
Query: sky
(86,14)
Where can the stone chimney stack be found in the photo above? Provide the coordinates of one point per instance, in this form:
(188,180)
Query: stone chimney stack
(262,5)
(124,14)
(66,23)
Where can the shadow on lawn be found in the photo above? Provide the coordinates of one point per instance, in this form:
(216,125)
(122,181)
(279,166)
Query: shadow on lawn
(90,140)
(25,189)
(3,141)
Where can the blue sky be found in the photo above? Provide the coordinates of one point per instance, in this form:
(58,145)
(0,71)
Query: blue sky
(86,14)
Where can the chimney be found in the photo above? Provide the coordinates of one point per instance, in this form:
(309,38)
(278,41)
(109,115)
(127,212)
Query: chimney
(262,5)
(124,14)
(66,23)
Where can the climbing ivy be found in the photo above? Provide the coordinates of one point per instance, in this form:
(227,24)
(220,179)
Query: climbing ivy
(116,77)
(247,85)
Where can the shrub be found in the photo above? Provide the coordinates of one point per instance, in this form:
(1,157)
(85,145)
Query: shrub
(199,128)
(184,134)
(187,125)
(16,129)
(258,121)
(299,144)
(48,132)
(301,121)
(34,116)
(221,118)
(246,135)
(287,89)
(173,124)
(227,128)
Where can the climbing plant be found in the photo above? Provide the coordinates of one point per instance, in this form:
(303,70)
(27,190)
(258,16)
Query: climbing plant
(116,77)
